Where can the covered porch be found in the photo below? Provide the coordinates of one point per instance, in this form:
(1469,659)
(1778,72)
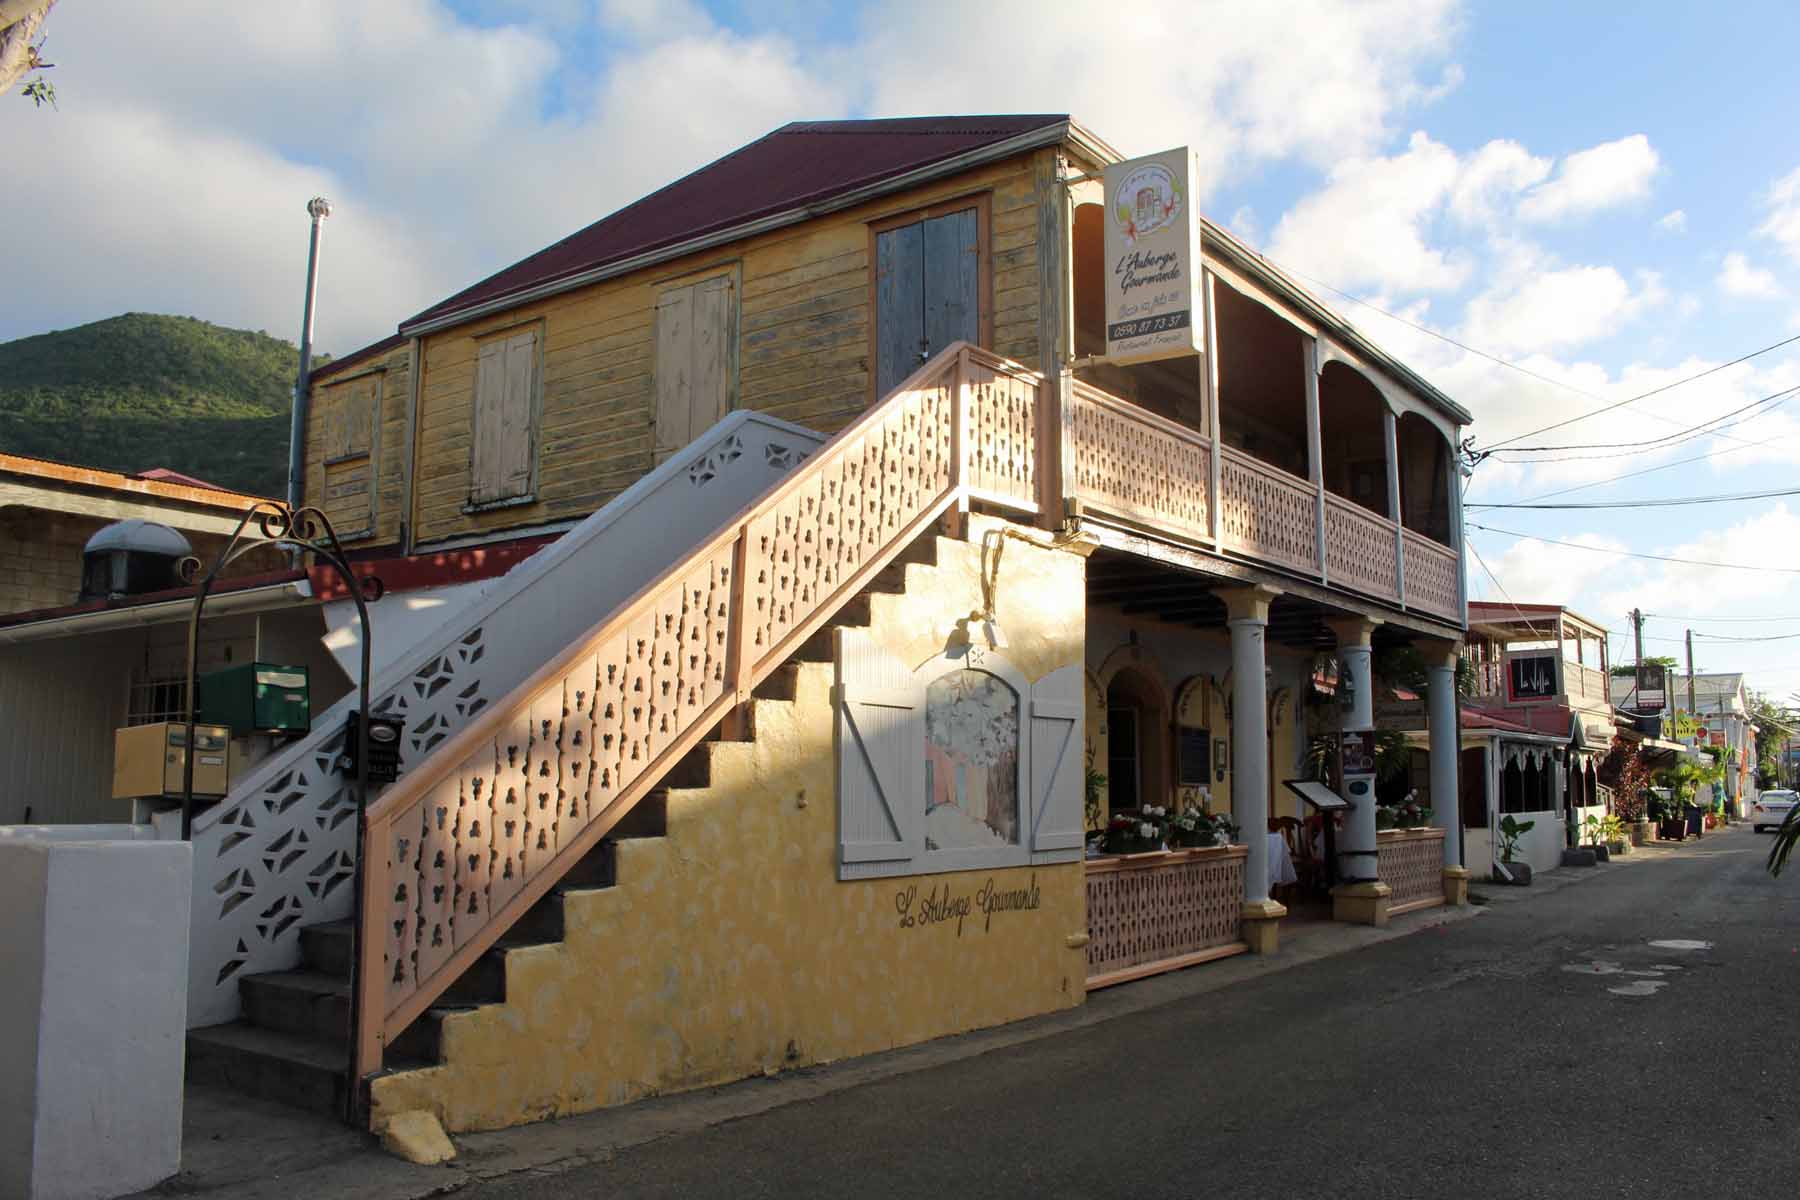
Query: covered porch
(1202,697)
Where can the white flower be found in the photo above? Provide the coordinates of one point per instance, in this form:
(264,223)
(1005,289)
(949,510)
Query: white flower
(1146,830)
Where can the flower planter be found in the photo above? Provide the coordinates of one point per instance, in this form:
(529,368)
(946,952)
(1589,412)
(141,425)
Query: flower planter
(1619,848)
(1521,874)
(1580,856)
(1601,853)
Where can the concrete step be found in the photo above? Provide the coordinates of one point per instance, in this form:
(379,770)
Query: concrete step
(310,1003)
(305,1072)
(325,947)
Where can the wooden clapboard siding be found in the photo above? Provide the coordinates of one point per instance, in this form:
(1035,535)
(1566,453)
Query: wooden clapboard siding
(361,494)
(803,353)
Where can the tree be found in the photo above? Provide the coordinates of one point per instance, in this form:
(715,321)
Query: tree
(1772,729)
(1628,671)
(21,49)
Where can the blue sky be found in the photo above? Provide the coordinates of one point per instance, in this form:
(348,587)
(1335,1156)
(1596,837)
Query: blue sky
(1591,191)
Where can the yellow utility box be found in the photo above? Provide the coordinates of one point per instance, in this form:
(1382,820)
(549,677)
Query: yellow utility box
(148,760)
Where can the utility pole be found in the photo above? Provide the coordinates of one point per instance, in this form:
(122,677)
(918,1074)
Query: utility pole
(1637,632)
(1692,715)
(318,208)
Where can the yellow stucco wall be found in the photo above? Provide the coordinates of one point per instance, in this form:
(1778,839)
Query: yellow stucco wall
(730,947)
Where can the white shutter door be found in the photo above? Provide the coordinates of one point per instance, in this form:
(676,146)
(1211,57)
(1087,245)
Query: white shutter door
(484,438)
(880,742)
(674,371)
(715,327)
(1057,761)
(514,467)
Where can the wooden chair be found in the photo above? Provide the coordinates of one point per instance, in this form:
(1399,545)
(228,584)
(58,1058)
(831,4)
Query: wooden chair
(1300,849)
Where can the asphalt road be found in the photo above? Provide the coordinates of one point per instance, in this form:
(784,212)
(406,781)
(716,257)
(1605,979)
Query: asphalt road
(1545,1048)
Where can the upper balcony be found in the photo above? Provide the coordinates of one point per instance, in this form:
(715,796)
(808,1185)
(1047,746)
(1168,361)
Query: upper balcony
(1288,452)
(1526,655)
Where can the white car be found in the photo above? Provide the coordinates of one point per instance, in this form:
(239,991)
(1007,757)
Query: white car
(1771,809)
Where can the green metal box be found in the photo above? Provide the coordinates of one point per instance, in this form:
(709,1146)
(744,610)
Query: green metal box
(257,697)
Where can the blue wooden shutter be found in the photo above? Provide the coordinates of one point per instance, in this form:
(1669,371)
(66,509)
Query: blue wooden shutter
(899,305)
(952,308)
(1057,762)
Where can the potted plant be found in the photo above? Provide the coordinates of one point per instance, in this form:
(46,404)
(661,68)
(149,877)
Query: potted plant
(1385,816)
(1135,832)
(1612,829)
(1192,827)
(1506,870)
(1591,827)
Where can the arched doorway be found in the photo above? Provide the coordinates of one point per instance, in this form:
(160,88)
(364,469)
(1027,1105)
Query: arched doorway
(1137,722)
(1425,478)
(1353,437)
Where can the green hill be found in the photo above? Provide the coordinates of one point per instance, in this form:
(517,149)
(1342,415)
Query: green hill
(142,390)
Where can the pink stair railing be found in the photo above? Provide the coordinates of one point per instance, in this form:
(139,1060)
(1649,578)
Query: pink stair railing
(461,848)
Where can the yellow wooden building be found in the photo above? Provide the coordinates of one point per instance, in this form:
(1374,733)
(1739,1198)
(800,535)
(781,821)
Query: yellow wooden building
(830,782)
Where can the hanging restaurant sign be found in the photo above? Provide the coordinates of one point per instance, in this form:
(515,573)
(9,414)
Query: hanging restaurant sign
(1531,677)
(1153,304)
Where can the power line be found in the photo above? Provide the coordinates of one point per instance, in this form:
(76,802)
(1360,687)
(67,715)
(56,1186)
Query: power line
(1678,617)
(1691,562)
(1657,391)
(1680,462)
(1692,431)
(1773,637)
(1671,502)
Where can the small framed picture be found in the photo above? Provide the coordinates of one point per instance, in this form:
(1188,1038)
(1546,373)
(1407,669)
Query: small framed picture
(1220,762)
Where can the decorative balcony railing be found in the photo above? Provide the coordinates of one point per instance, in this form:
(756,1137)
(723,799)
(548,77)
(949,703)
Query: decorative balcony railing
(1125,463)
(1360,550)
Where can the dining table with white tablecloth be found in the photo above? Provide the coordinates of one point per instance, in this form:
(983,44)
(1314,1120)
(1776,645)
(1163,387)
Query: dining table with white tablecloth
(1281,863)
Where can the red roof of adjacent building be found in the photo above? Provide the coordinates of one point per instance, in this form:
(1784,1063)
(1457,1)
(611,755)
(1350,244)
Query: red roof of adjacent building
(801,164)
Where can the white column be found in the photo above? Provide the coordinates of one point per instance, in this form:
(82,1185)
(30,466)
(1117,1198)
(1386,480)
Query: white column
(1356,673)
(1248,616)
(1248,613)
(1391,438)
(1446,798)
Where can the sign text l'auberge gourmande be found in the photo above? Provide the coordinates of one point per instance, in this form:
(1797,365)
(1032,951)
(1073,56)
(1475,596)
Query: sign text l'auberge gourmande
(1153,306)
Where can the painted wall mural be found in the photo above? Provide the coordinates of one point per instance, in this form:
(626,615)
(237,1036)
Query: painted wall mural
(971,761)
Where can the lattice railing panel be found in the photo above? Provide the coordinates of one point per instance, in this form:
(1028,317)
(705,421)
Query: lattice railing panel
(1412,863)
(464,846)
(1132,464)
(1431,580)
(1149,910)
(1000,456)
(1266,513)
(1359,549)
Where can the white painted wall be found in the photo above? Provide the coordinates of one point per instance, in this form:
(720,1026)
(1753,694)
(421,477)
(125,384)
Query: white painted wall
(93,1017)
(59,704)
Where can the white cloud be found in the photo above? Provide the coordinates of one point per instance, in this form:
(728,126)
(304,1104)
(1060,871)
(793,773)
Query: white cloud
(1531,571)
(1782,203)
(1738,278)
(190,134)
(1489,182)
(1243,222)
(1600,177)
(1367,225)
(1241,83)
(1673,221)
(1557,308)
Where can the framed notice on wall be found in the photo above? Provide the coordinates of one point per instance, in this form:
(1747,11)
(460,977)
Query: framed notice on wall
(1152,236)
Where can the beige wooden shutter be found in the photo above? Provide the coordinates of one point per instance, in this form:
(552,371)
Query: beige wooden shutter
(715,330)
(880,742)
(484,437)
(674,372)
(1057,762)
(517,448)
(503,446)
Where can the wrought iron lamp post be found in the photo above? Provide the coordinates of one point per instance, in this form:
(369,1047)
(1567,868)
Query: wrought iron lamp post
(302,530)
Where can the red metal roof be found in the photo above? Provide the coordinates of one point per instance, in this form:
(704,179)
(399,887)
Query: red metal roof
(372,350)
(807,162)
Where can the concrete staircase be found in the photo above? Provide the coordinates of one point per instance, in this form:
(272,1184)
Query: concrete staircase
(291,1043)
